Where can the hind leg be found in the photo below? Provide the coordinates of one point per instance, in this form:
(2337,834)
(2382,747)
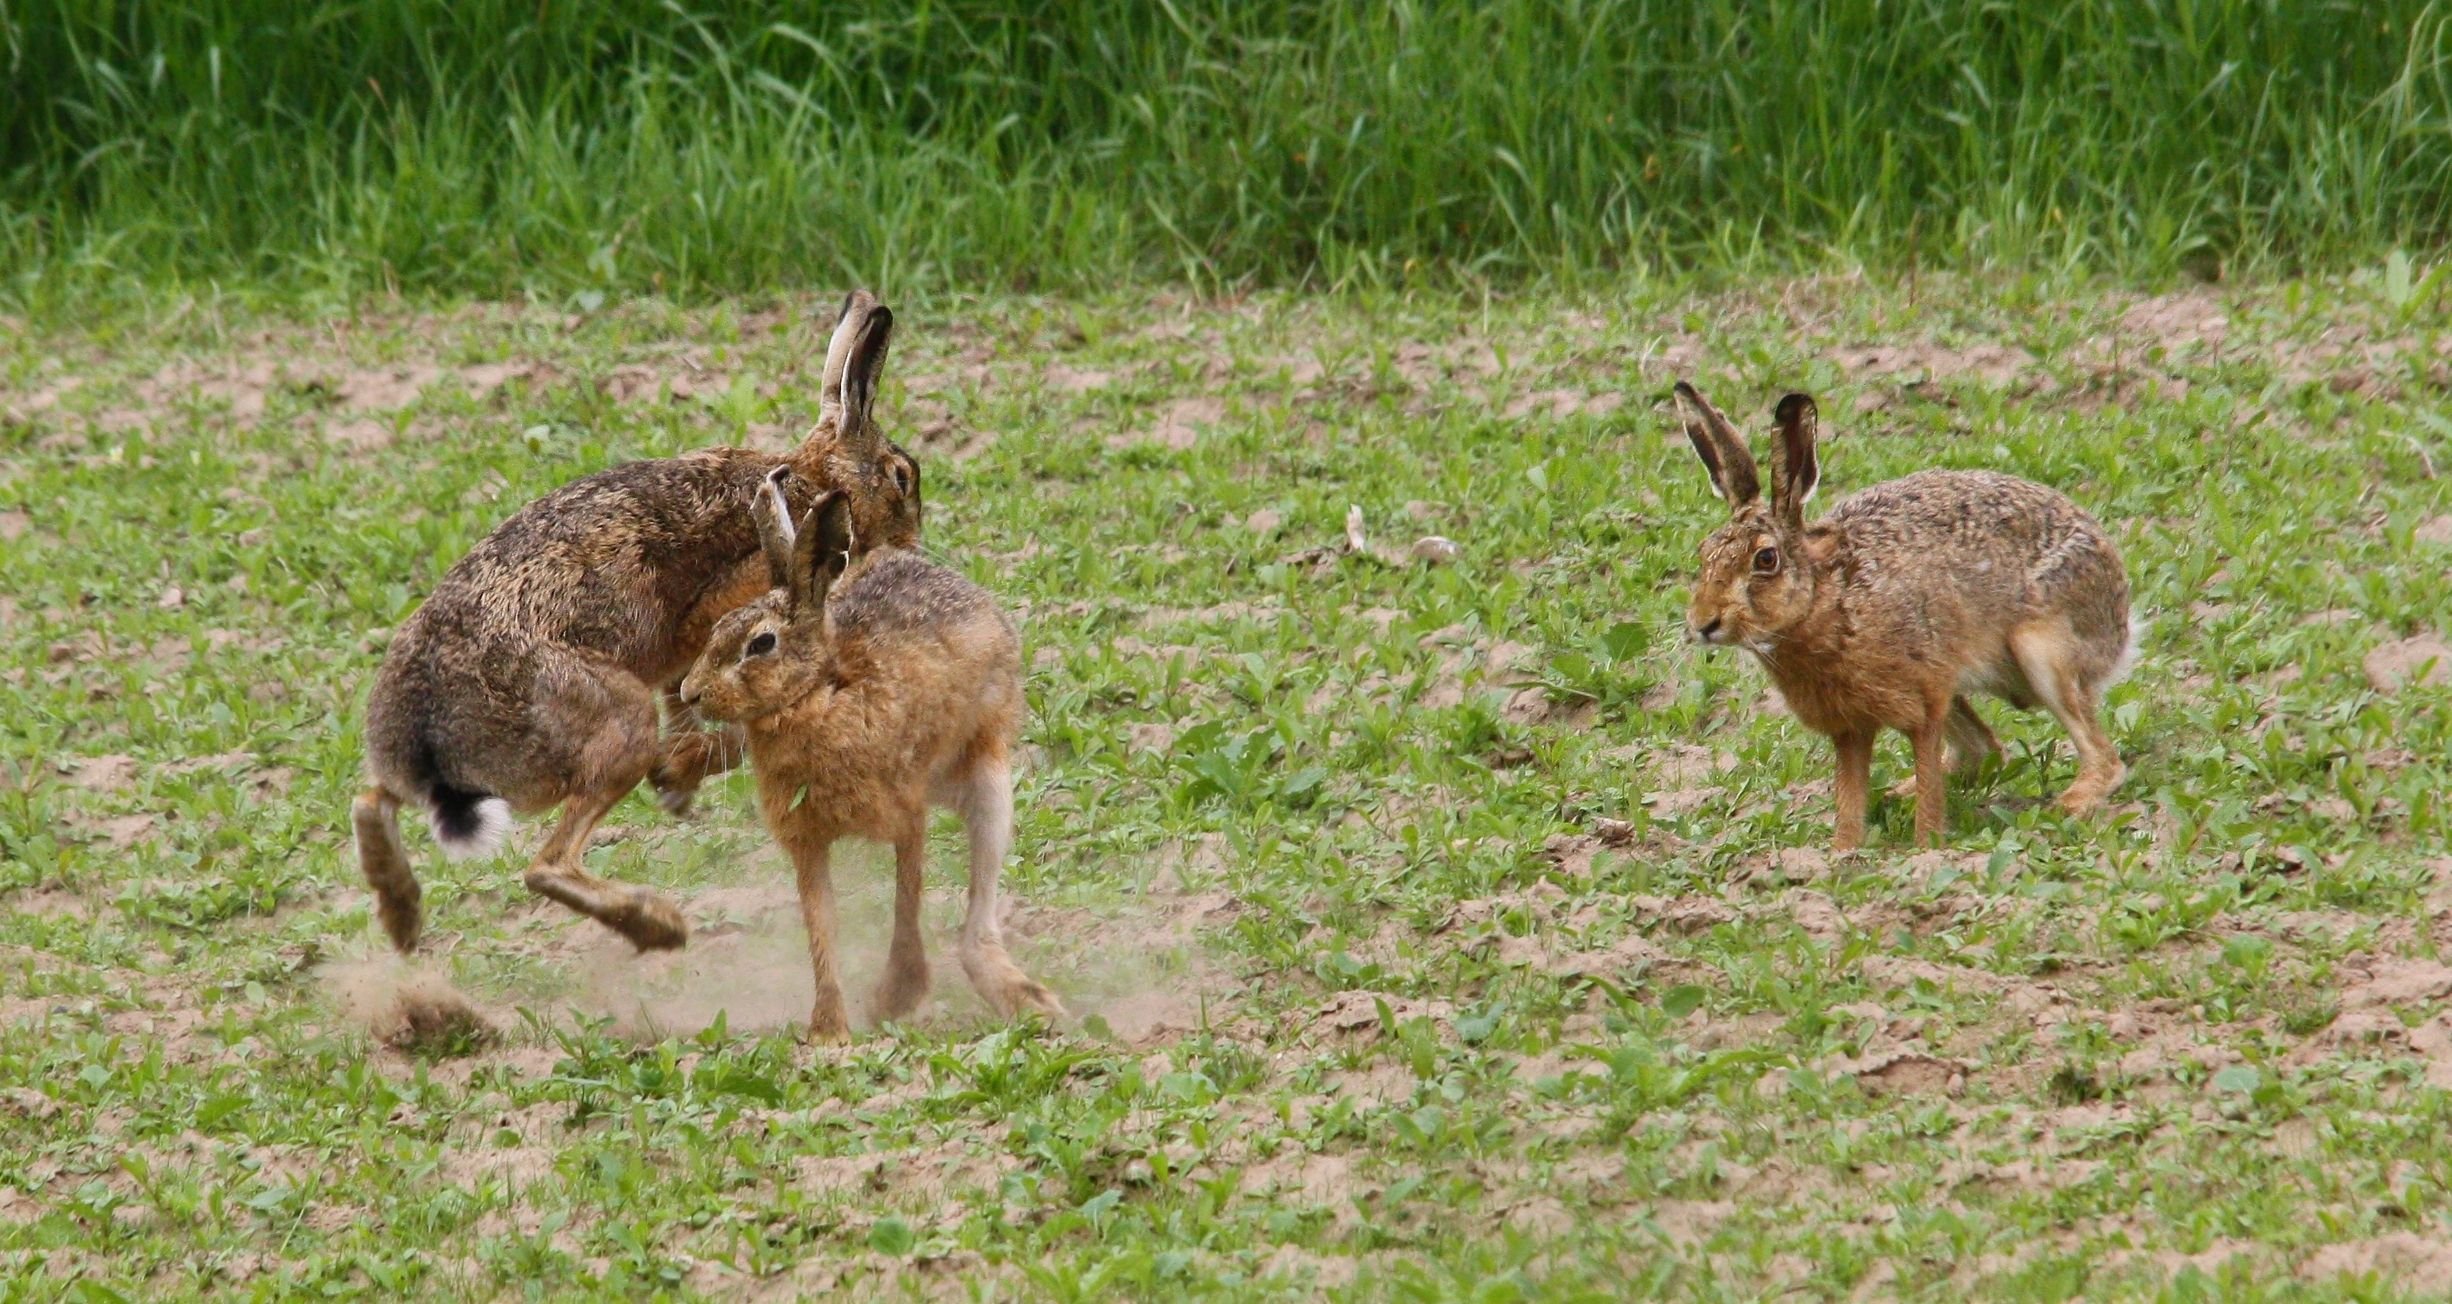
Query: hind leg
(987,817)
(385,863)
(2056,665)
(646,918)
(1971,743)
(605,730)
(1932,777)
(691,754)
(906,961)
(1971,740)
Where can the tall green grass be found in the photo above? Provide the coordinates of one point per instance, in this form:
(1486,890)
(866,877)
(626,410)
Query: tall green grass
(496,145)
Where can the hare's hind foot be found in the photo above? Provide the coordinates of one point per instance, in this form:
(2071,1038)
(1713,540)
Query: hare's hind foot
(1029,996)
(2093,785)
(375,817)
(2099,770)
(607,738)
(2072,691)
(652,922)
(1003,985)
(646,919)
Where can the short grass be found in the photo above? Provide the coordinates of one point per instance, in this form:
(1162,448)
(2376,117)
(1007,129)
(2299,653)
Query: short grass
(1315,840)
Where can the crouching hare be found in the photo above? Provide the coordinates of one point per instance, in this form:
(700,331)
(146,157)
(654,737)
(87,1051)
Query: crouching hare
(870,690)
(1905,599)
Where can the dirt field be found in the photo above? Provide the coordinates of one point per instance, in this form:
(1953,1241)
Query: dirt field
(1435,926)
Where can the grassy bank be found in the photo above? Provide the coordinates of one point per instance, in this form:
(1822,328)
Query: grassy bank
(491,147)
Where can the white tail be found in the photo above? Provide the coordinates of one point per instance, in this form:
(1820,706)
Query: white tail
(2128,655)
(493,825)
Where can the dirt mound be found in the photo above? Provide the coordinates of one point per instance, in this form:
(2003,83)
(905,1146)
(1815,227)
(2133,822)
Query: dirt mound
(408,1008)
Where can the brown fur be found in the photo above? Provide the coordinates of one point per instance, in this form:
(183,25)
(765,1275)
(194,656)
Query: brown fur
(901,692)
(1907,598)
(532,674)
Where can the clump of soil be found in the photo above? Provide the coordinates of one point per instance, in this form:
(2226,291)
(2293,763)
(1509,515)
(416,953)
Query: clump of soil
(407,1008)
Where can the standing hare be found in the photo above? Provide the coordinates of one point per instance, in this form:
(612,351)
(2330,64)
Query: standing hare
(530,677)
(1904,600)
(902,692)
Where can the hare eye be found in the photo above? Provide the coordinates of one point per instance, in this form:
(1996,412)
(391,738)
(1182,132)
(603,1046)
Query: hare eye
(761,645)
(1766,561)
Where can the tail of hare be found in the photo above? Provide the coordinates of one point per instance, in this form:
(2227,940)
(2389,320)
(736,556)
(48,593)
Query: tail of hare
(2128,655)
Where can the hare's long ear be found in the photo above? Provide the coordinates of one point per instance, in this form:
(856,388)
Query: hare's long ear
(821,552)
(1723,453)
(773,513)
(1796,469)
(855,358)
(847,324)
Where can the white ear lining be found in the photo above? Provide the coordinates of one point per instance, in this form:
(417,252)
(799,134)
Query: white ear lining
(1687,419)
(1811,472)
(782,510)
(838,356)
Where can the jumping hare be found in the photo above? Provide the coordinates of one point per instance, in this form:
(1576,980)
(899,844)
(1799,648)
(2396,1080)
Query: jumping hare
(1904,600)
(530,677)
(901,690)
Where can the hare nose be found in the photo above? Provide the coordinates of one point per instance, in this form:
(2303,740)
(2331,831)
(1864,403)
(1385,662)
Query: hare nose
(1704,632)
(689,694)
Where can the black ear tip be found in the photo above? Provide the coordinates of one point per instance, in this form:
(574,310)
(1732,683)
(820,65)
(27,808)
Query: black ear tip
(1684,390)
(876,332)
(1795,406)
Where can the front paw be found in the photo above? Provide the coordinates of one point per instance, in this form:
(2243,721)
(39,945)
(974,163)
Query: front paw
(680,767)
(675,799)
